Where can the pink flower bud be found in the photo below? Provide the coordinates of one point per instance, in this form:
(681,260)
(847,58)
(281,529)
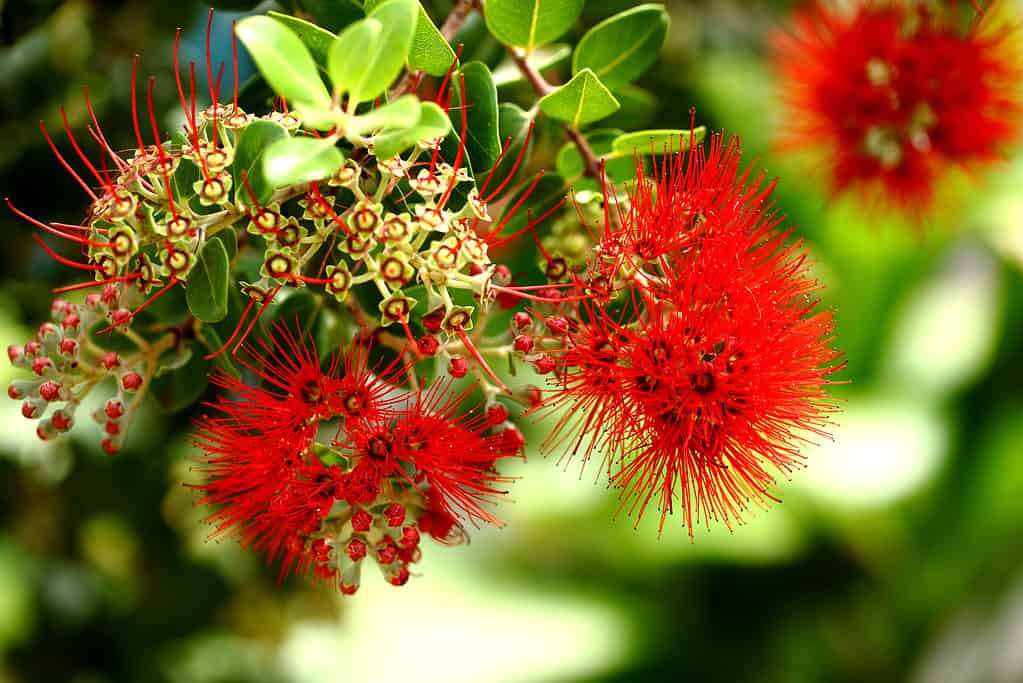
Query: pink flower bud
(523,344)
(502,274)
(15,391)
(387,554)
(131,381)
(356,550)
(45,431)
(71,321)
(521,321)
(15,353)
(111,447)
(110,360)
(496,414)
(109,295)
(362,521)
(557,324)
(544,364)
(395,514)
(459,366)
(120,316)
(32,349)
(427,345)
(31,409)
(432,321)
(112,427)
(114,408)
(409,537)
(400,578)
(49,391)
(92,300)
(46,331)
(41,364)
(68,348)
(62,420)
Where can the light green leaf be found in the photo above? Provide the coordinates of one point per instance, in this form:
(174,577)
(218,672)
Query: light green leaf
(620,48)
(529,23)
(317,39)
(283,60)
(248,160)
(359,38)
(300,160)
(206,287)
(433,123)
(658,141)
(430,52)
(402,113)
(480,98)
(364,61)
(582,100)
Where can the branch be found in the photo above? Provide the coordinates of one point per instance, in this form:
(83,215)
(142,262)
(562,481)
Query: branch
(541,87)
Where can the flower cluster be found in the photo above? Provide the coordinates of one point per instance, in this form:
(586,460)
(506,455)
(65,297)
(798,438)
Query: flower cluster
(707,364)
(322,468)
(67,364)
(897,93)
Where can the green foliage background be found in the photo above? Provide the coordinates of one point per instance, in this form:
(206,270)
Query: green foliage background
(897,555)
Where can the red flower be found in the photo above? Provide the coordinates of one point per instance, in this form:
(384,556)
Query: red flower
(895,94)
(712,366)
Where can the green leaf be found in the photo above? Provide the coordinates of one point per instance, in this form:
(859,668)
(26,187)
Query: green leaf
(529,23)
(513,122)
(433,123)
(230,240)
(480,97)
(369,55)
(187,171)
(298,312)
(300,160)
(317,39)
(430,51)
(283,60)
(402,113)
(179,389)
(657,141)
(248,160)
(620,48)
(542,59)
(360,38)
(582,100)
(172,360)
(206,287)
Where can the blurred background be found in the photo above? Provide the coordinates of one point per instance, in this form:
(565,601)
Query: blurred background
(896,555)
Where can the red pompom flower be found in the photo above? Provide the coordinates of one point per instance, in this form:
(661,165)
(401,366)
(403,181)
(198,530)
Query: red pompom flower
(896,93)
(708,368)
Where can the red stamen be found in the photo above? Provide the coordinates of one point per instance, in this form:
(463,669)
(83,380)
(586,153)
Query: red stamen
(515,166)
(269,299)
(474,352)
(237,329)
(97,283)
(60,259)
(64,162)
(134,106)
(52,230)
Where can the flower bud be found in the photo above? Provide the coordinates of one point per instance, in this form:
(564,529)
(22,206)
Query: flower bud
(427,345)
(320,549)
(459,367)
(114,408)
(409,537)
(523,344)
(15,353)
(119,317)
(387,553)
(362,521)
(521,321)
(45,430)
(534,395)
(68,347)
(557,324)
(16,390)
(433,320)
(41,364)
(399,578)
(110,360)
(496,414)
(110,446)
(62,420)
(502,274)
(71,322)
(47,332)
(33,408)
(355,550)
(32,349)
(93,300)
(49,391)
(131,381)
(544,364)
(395,514)
(112,427)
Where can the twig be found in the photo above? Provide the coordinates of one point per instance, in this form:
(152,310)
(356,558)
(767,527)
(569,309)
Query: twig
(541,87)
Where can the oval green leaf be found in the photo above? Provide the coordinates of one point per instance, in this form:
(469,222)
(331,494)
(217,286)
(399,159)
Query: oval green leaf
(658,141)
(365,64)
(248,161)
(529,23)
(402,113)
(206,287)
(283,60)
(433,123)
(430,52)
(300,160)
(317,39)
(582,100)
(480,97)
(620,48)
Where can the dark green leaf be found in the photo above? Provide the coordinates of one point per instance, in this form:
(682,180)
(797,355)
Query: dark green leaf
(317,39)
(512,122)
(283,60)
(620,48)
(206,287)
(480,99)
(179,389)
(582,100)
(529,23)
(230,240)
(212,341)
(248,160)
